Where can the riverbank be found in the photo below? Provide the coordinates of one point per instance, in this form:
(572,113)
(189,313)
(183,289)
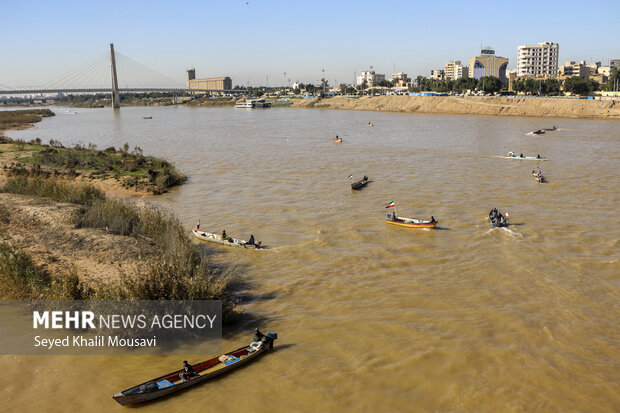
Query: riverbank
(469,105)
(67,240)
(21,119)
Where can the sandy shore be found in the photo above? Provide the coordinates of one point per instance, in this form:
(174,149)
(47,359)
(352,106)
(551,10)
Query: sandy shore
(45,230)
(495,106)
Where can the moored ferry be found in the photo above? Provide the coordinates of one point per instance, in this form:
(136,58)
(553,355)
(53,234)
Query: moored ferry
(253,103)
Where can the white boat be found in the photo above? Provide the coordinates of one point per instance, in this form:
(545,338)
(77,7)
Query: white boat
(230,242)
(253,103)
(512,155)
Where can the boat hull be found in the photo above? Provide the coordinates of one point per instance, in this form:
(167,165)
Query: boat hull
(411,224)
(217,239)
(159,393)
(525,158)
(359,184)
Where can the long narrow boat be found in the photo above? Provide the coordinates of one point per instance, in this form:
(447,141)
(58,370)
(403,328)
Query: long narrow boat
(359,184)
(526,158)
(217,238)
(413,222)
(337,140)
(171,383)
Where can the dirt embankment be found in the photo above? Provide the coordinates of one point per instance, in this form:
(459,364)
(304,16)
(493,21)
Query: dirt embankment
(496,106)
(45,230)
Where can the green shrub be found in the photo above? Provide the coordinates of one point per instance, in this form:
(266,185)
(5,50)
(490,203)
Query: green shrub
(20,278)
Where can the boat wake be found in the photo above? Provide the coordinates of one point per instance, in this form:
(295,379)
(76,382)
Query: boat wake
(512,233)
(507,230)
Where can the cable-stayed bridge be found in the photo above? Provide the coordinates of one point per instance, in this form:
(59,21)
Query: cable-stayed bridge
(112,73)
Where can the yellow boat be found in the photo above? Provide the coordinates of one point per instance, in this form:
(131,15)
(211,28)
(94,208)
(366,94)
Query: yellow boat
(413,222)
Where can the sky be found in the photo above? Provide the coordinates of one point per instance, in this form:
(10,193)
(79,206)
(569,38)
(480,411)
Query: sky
(256,41)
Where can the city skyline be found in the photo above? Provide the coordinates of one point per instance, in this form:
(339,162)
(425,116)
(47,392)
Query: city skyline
(255,40)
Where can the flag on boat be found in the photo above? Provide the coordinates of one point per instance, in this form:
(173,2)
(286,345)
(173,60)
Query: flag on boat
(350,176)
(506,215)
(390,205)
(198,225)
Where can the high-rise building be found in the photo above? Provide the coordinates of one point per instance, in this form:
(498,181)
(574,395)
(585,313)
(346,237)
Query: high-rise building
(455,70)
(487,64)
(536,60)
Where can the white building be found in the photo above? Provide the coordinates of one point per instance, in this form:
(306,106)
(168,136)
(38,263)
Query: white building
(401,79)
(437,74)
(541,59)
(370,77)
(455,70)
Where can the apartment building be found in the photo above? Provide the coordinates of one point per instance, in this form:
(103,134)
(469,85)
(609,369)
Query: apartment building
(540,59)
(455,70)
(401,79)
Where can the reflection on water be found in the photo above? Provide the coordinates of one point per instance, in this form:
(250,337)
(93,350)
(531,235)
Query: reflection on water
(382,318)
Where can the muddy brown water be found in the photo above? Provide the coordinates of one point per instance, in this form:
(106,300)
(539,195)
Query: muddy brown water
(373,317)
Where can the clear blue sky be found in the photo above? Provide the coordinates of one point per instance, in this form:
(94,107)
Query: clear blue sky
(42,40)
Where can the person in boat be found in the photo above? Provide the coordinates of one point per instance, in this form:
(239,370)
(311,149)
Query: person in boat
(394,217)
(262,338)
(188,371)
(258,336)
(224,236)
(251,240)
(365,178)
(433,219)
(521,156)
(537,156)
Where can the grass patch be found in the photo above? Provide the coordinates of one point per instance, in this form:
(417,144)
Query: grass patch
(20,278)
(11,119)
(131,168)
(25,184)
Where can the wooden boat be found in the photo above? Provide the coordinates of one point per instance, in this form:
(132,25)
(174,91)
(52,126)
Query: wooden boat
(538,178)
(412,222)
(171,383)
(337,140)
(359,184)
(217,238)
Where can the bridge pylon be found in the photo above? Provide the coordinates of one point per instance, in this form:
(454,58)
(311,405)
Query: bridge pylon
(116,97)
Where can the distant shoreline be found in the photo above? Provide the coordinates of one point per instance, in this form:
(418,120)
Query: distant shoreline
(470,105)
(453,105)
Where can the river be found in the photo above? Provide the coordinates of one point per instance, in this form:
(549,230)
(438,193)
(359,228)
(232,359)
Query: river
(373,317)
